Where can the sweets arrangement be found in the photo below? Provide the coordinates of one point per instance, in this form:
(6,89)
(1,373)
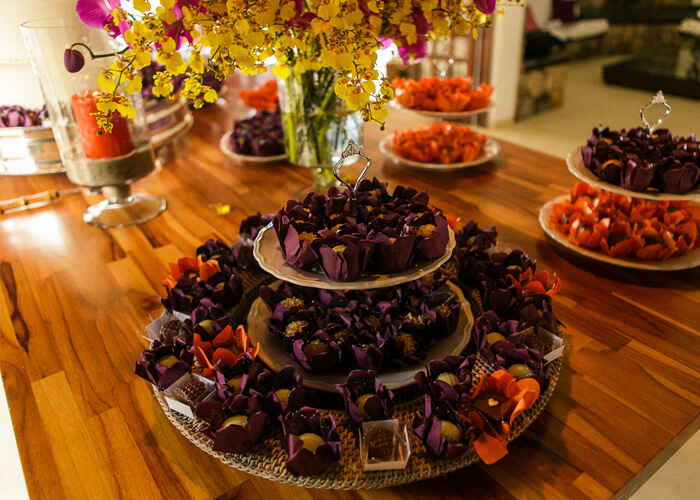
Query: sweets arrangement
(622,226)
(377,329)
(263,98)
(205,364)
(259,135)
(202,359)
(17,116)
(442,94)
(641,162)
(378,232)
(444,143)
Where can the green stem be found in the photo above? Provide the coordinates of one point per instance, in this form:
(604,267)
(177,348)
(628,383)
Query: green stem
(97,56)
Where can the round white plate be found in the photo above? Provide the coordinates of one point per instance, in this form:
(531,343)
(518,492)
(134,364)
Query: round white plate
(489,152)
(274,355)
(268,254)
(225,145)
(576,166)
(446,115)
(686,261)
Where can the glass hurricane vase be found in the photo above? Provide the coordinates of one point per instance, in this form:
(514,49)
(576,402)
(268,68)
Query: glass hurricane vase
(110,162)
(317,124)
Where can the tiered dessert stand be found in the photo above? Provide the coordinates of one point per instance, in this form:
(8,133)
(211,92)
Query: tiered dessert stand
(575,164)
(268,458)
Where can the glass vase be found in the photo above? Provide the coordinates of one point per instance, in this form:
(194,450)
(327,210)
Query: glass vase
(317,124)
(110,162)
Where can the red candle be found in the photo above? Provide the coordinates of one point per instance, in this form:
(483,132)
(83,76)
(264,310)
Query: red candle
(116,143)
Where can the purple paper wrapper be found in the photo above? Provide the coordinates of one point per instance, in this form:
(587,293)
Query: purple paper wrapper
(234,438)
(458,366)
(429,430)
(164,376)
(302,461)
(378,406)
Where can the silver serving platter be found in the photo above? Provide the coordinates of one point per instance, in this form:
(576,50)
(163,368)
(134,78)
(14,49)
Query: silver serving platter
(29,151)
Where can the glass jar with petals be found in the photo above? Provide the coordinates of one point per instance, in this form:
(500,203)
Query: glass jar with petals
(317,124)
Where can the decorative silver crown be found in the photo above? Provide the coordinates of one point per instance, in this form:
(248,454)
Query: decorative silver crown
(659,98)
(351,149)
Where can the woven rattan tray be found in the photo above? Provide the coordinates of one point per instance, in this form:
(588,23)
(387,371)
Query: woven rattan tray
(268,458)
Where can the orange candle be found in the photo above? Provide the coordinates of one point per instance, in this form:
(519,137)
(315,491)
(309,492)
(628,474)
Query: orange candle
(116,143)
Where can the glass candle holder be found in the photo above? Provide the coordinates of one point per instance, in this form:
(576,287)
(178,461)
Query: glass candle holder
(111,162)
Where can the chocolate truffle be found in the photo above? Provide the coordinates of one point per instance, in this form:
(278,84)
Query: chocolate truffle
(520,371)
(167,361)
(448,378)
(240,420)
(493,337)
(283,395)
(361,401)
(450,431)
(311,441)
(235,383)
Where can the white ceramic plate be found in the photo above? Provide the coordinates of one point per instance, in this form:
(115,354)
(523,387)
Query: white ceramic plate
(489,152)
(576,166)
(686,261)
(446,115)
(225,145)
(268,254)
(274,355)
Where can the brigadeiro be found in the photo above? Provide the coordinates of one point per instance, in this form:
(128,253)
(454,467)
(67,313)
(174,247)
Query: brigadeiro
(365,397)
(163,365)
(235,424)
(311,441)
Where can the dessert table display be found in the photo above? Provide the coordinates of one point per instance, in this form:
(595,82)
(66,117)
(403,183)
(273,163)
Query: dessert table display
(73,298)
(635,206)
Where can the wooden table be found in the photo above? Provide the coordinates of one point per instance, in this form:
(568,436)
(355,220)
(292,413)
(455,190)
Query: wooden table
(72,300)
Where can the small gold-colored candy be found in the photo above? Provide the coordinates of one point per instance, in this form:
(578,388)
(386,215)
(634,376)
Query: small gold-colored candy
(339,248)
(450,431)
(311,441)
(493,337)
(362,401)
(520,371)
(240,420)
(283,395)
(448,378)
(206,324)
(167,361)
(235,383)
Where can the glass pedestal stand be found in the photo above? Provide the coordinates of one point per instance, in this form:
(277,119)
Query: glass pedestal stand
(123,208)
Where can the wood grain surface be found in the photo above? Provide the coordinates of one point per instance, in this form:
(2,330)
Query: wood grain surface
(73,298)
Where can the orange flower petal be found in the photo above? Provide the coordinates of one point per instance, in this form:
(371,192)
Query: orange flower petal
(526,392)
(490,449)
(201,357)
(175,271)
(208,269)
(224,355)
(187,264)
(225,338)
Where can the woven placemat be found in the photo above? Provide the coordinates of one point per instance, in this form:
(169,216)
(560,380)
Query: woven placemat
(268,458)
